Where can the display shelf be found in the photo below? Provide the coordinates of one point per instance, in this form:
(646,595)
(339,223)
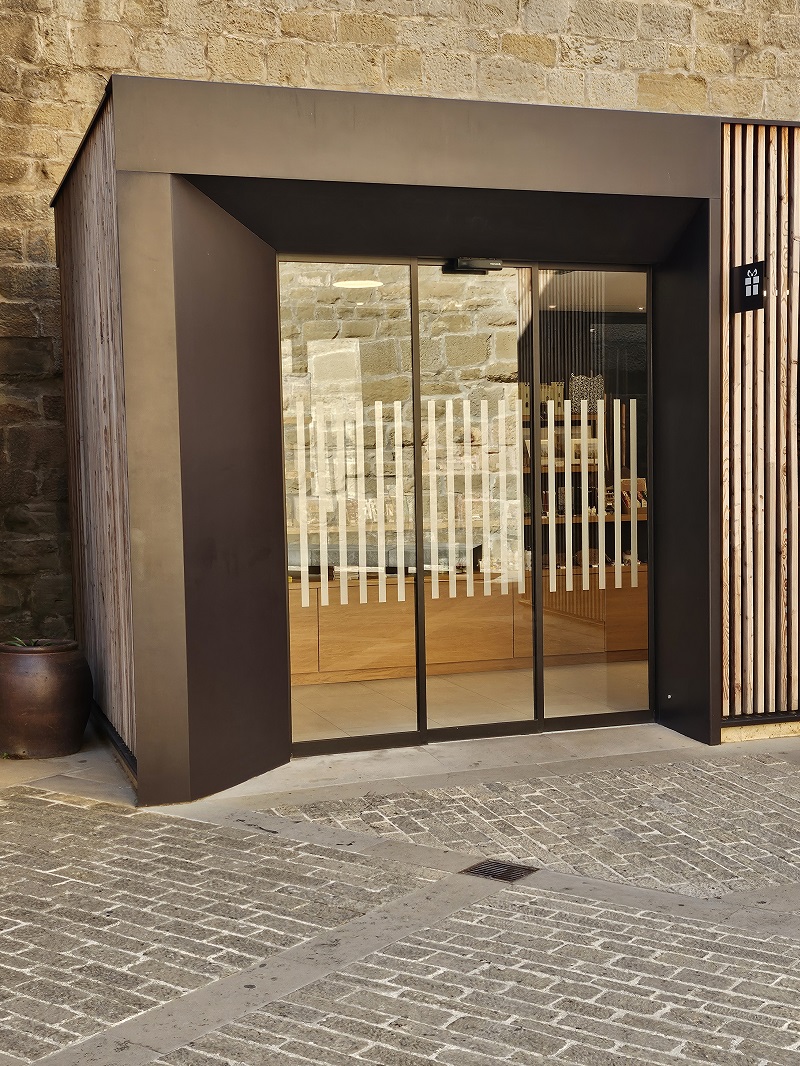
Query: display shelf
(593,518)
(293,529)
(575,421)
(560,465)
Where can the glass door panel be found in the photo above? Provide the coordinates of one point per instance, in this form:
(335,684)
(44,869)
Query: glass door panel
(349,461)
(478,620)
(594,462)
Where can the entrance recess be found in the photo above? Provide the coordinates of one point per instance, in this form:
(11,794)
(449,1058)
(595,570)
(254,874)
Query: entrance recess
(466,493)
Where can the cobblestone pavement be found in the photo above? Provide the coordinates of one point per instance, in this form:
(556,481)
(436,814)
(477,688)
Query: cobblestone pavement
(528,977)
(249,931)
(697,827)
(106,913)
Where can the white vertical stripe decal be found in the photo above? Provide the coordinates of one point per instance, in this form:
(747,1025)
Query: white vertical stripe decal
(601,493)
(551,493)
(519,447)
(302,510)
(451,497)
(634,495)
(432,509)
(568,489)
(503,461)
(380,501)
(468,494)
(617,499)
(585,495)
(362,504)
(399,501)
(341,488)
(322,504)
(486,495)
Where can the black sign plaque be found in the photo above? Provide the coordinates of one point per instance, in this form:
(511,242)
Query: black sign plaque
(748,287)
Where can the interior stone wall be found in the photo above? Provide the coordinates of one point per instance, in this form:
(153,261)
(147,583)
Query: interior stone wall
(730,57)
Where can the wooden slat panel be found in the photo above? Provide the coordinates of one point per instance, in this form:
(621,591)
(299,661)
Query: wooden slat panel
(759,679)
(760,475)
(86,231)
(771,368)
(783,400)
(794,339)
(748,576)
(736,419)
(725,385)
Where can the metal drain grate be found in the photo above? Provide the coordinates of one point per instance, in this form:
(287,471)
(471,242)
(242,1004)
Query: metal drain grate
(499,871)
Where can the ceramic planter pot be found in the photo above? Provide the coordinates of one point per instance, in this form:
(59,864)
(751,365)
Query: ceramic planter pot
(45,699)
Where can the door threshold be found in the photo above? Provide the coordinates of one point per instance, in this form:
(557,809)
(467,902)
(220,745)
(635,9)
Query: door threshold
(378,741)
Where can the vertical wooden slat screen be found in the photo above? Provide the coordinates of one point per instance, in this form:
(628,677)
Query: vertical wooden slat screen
(760,490)
(88,256)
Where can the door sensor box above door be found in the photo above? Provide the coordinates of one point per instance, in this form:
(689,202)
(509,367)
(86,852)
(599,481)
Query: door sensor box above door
(465,265)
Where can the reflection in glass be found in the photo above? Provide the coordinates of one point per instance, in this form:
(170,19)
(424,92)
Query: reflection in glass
(593,439)
(477,561)
(349,446)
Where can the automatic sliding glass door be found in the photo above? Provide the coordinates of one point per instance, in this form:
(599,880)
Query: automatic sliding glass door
(474,332)
(349,460)
(466,496)
(594,461)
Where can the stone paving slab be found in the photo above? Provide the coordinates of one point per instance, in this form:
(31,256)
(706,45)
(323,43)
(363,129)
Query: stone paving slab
(698,827)
(106,913)
(94,772)
(461,762)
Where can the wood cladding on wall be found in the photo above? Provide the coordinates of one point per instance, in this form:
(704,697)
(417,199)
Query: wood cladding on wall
(760,496)
(87,244)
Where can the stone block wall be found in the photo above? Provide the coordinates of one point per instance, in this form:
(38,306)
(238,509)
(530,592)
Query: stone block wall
(35,592)
(730,57)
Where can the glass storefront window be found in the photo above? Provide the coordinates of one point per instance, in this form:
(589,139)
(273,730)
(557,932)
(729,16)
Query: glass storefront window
(478,620)
(593,439)
(532,499)
(349,453)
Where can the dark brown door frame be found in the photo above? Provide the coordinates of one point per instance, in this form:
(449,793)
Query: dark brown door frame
(568,156)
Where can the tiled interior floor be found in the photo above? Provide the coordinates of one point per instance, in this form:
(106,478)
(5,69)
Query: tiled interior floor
(595,688)
(362,708)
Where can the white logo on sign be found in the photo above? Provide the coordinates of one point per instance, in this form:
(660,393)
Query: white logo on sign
(751,283)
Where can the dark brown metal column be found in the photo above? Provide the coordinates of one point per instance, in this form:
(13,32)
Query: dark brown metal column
(154,487)
(685,517)
(229,395)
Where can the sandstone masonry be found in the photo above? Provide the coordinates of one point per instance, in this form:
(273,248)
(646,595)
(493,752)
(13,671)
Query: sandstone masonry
(727,57)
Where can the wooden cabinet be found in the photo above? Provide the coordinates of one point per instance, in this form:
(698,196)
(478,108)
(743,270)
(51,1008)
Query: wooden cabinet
(303,632)
(523,623)
(626,615)
(596,622)
(468,629)
(365,641)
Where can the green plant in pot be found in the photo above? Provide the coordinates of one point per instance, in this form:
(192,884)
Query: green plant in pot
(45,698)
